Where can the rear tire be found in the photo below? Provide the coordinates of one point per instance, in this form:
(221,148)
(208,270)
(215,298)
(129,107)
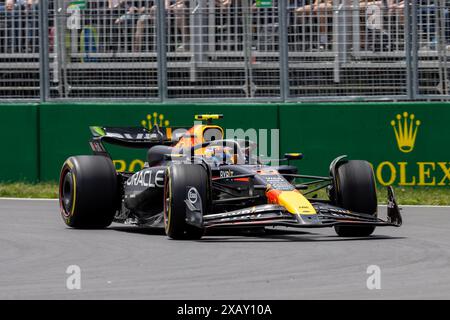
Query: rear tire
(356,191)
(88,193)
(178,178)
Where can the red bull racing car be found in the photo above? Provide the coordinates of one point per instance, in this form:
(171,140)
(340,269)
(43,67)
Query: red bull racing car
(194,180)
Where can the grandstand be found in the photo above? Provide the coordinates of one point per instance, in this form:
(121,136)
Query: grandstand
(295,50)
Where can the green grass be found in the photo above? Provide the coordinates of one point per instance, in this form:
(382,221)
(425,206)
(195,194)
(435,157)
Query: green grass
(415,196)
(29,190)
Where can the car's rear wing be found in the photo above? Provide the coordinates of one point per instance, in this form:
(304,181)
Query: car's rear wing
(129,137)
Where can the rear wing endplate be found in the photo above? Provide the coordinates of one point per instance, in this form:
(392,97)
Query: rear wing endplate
(129,137)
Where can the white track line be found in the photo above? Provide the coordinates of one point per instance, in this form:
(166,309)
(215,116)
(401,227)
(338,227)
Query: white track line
(381,205)
(29,199)
(417,206)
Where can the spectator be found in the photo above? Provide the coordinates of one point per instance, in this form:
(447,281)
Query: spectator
(399,7)
(8,6)
(145,14)
(428,19)
(223,5)
(265,26)
(114,3)
(4,8)
(130,11)
(373,19)
(106,19)
(32,26)
(228,24)
(11,12)
(322,9)
(142,14)
(225,10)
(179,10)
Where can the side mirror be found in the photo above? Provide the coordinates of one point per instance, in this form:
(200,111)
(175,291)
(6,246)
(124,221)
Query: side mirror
(293,156)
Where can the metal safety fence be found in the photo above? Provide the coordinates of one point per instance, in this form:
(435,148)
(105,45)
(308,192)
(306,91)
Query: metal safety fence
(292,50)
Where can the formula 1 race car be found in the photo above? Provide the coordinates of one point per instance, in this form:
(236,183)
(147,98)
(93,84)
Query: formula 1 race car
(194,180)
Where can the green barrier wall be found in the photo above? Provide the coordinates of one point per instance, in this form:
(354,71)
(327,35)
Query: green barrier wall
(417,156)
(19,140)
(36,139)
(65,132)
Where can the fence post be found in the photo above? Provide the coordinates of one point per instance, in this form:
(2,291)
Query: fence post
(441,46)
(414,51)
(198,42)
(284,49)
(43,51)
(161,44)
(247,39)
(408,56)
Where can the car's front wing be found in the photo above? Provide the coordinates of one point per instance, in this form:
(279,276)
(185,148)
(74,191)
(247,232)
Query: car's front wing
(275,215)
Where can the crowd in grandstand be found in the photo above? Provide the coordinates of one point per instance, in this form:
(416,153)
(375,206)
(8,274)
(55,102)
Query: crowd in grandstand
(18,26)
(19,18)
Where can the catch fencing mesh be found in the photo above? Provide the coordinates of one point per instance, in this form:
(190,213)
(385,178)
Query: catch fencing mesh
(19,50)
(225,49)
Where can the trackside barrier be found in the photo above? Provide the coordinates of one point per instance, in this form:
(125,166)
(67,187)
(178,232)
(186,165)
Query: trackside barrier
(19,141)
(65,127)
(405,142)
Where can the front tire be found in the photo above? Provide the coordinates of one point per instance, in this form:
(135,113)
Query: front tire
(356,191)
(178,179)
(88,193)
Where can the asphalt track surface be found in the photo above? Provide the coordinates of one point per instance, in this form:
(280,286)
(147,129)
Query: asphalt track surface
(124,262)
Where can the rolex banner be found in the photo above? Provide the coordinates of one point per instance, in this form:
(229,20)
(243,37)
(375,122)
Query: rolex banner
(407,143)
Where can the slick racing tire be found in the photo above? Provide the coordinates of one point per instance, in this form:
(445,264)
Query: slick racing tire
(179,181)
(356,191)
(88,192)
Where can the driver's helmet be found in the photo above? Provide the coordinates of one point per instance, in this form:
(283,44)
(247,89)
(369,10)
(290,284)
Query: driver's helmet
(219,155)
